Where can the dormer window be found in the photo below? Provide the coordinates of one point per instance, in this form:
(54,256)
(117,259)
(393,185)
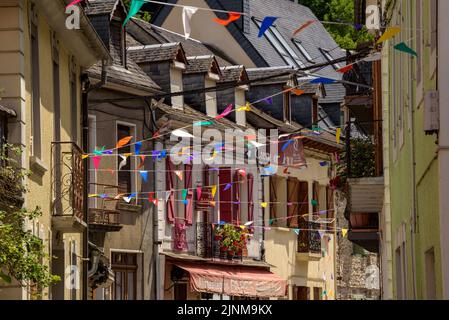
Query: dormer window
(281,46)
(118,39)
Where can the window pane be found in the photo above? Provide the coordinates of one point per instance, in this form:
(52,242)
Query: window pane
(118,286)
(303,50)
(124,177)
(286,46)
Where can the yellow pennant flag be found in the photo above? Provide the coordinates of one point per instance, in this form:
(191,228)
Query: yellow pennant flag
(84,156)
(389,33)
(338,135)
(264,204)
(92,195)
(212,203)
(214,191)
(247,107)
(344,232)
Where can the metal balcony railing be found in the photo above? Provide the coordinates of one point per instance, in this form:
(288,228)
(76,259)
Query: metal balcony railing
(208,244)
(104,212)
(309,239)
(67,180)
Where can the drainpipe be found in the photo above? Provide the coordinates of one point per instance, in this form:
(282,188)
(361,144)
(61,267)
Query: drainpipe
(86,88)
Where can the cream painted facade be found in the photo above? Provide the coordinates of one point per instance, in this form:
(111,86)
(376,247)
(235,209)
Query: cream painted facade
(76,51)
(302,269)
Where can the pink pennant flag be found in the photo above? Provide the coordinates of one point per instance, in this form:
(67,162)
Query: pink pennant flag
(225,112)
(74,2)
(198,192)
(96,160)
(179,174)
(242,172)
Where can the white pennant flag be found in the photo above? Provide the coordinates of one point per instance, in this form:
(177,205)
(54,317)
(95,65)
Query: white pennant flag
(187,13)
(182,134)
(167,195)
(122,163)
(373,57)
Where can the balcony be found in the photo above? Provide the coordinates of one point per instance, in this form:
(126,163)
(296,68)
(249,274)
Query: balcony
(104,215)
(309,241)
(211,244)
(67,186)
(364,230)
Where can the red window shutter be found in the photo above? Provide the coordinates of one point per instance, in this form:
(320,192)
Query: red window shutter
(170,187)
(236,198)
(304,202)
(225,177)
(273,199)
(188,185)
(330,206)
(250,197)
(316,197)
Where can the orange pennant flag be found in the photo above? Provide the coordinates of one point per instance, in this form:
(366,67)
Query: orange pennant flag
(346,68)
(212,203)
(124,141)
(232,16)
(298,92)
(142,162)
(301,28)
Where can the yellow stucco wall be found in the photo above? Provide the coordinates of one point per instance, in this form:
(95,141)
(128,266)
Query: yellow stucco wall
(281,242)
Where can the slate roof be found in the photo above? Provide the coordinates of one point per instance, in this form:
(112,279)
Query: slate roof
(155,52)
(233,74)
(192,47)
(313,39)
(202,64)
(96,7)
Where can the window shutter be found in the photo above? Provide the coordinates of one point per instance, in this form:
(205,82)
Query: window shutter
(316,197)
(330,206)
(273,197)
(292,210)
(250,197)
(170,187)
(225,197)
(188,185)
(303,198)
(236,198)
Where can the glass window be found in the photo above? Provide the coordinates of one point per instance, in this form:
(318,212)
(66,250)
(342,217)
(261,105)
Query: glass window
(303,50)
(329,58)
(281,46)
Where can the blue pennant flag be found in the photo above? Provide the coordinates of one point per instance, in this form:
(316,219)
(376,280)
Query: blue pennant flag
(323,80)
(285,146)
(137,147)
(266,23)
(144,175)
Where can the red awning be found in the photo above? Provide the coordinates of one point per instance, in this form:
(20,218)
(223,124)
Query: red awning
(234,280)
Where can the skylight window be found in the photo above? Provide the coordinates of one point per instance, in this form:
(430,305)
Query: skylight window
(303,50)
(329,58)
(281,46)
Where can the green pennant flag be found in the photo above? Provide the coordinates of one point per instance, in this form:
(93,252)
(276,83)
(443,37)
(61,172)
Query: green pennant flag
(136,5)
(404,48)
(184,194)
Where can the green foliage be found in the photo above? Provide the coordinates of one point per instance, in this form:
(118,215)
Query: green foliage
(143,15)
(346,36)
(22,255)
(231,238)
(362,160)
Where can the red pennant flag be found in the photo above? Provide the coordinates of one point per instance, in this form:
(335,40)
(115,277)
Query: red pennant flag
(73,3)
(346,68)
(225,112)
(232,16)
(96,160)
(142,162)
(301,28)
(298,92)
(198,192)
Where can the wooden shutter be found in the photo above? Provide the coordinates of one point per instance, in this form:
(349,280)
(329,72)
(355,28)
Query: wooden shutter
(316,197)
(250,197)
(188,185)
(302,293)
(303,198)
(170,187)
(292,197)
(236,198)
(225,177)
(273,199)
(330,214)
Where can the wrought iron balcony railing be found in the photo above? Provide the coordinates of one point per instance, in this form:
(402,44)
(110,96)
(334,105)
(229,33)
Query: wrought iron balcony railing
(209,244)
(309,239)
(67,180)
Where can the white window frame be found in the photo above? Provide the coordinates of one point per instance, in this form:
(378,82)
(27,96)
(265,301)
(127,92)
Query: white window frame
(329,58)
(303,50)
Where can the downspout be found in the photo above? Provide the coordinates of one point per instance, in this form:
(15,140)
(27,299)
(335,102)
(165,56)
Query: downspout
(86,88)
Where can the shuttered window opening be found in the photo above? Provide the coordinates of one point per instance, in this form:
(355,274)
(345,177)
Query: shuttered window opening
(273,200)
(124,175)
(176,208)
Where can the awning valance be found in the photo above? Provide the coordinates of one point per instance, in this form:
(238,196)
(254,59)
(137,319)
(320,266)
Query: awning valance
(234,280)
